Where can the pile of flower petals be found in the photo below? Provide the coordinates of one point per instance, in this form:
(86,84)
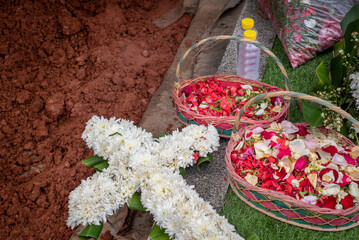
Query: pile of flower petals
(308,164)
(209,98)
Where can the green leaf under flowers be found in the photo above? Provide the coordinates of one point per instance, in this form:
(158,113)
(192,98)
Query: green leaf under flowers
(349,45)
(312,114)
(99,167)
(92,161)
(157,233)
(350,16)
(202,161)
(182,171)
(344,129)
(336,71)
(251,236)
(91,231)
(323,77)
(135,202)
(337,47)
(342,101)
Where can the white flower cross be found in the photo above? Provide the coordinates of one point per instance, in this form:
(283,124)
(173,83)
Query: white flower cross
(138,161)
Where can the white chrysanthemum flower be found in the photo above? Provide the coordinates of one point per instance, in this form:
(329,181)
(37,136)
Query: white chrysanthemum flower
(97,197)
(142,158)
(298,148)
(196,131)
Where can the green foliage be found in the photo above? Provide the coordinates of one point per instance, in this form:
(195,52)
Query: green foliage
(312,114)
(323,77)
(337,71)
(135,202)
(182,171)
(92,161)
(202,161)
(351,16)
(157,233)
(91,232)
(96,162)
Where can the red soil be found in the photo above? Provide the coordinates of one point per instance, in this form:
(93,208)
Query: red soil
(61,62)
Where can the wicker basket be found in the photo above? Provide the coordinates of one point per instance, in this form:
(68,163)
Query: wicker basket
(283,207)
(224,124)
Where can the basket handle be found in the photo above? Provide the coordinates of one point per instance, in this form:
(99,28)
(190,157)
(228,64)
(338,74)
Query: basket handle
(240,39)
(288,95)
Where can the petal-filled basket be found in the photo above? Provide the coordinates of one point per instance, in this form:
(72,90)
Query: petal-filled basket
(280,205)
(224,124)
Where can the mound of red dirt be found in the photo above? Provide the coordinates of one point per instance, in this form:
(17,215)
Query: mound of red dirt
(61,62)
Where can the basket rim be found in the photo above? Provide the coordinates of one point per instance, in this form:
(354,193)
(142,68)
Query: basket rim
(280,196)
(229,119)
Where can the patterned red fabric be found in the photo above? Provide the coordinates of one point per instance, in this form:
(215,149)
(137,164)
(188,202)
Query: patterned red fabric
(306,27)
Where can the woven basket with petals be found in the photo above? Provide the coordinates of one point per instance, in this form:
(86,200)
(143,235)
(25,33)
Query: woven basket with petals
(224,124)
(278,205)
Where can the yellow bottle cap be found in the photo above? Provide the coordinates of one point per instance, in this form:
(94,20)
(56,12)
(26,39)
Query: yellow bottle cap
(250,34)
(247,23)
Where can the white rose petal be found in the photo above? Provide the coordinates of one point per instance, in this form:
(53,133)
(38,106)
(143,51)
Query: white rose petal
(331,189)
(264,105)
(324,155)
(247,87)
(252,179)
(354,190)
(338,206)
(260,112)
(295,183)
(289,127)
(257,130)
(298,147)
(339,160)
(310,199)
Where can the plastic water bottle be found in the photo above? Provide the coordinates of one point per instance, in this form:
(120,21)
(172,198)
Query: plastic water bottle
(248,57)
(247,24)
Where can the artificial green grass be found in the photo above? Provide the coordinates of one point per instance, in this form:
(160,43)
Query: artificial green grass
(246,219)
(301,79)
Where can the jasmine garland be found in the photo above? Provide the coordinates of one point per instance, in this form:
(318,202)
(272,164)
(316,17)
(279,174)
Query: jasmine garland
(134,159)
